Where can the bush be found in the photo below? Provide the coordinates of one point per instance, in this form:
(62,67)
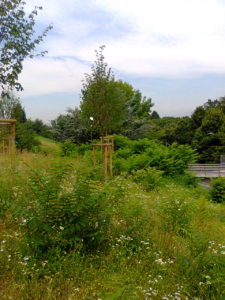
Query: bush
(69,149)
(141,145)
(149,178)
(187,179)
(144,153)
(138,162)
(218,190)
(25,137)
(120,165)
(61,218)
(176,159)
(121,141)
(124,153)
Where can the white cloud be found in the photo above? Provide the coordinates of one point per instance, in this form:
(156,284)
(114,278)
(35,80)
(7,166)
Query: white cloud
(47,75)
(167,38)
(176,38)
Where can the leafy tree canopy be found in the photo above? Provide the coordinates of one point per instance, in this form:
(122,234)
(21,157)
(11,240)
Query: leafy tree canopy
(18,40)
(102,99)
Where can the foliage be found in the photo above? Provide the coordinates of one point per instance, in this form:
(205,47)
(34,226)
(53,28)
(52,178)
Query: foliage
(18,40)
(59,219)
(165,243)
(7,105)
(218,190)
(155,115)
(208,138)
(11,108)
(40,128)
(72,150)
(102,100)
(138,113)
(71,127)
(143,153)
(25,137)
(178,213)
(204,130)
(149,178)
(69,149)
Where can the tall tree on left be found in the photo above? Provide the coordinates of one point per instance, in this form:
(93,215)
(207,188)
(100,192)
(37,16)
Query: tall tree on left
(18,41)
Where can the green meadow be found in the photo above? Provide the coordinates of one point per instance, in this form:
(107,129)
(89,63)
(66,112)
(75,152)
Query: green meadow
(65,233)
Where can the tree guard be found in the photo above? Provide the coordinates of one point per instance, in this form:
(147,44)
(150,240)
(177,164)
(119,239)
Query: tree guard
(107,147)
(7,136)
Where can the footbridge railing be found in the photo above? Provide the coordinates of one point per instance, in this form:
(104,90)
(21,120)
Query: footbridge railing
(207,170)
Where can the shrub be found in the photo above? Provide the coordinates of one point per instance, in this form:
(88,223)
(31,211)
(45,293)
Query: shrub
(187,179)
(144,153)
(120,165)
(69,149)
(121,141)
(177,214)
(25,137)
(124,153)
(137,162)
(61,218)
(176,159)
(149,178)
(141,145)
(218,190)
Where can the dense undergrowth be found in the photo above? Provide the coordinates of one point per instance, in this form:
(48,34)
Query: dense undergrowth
(67,234)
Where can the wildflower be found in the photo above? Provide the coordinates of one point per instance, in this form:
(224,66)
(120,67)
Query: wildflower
(160,261)
(61,227)
(26,258)
(44,263)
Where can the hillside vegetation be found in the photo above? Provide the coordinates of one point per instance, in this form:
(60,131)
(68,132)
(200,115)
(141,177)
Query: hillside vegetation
(67,234)
(48,146)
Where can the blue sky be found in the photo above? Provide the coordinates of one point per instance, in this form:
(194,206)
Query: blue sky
(171,50)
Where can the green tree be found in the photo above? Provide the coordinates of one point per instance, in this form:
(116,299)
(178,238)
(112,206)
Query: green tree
(25,137)
(137,113)
(198,116)
(209,137)
(102,99)
(7,105)
(155,115)
(18,113)
(71,127)
(18,40)
(40,128)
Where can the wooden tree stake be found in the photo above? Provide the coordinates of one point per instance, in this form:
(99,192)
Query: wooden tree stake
(8,144)
(107,145)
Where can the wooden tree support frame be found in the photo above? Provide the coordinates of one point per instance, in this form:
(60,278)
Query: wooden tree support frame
(7,144)
(107,147)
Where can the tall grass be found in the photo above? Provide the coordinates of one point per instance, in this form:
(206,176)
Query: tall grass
(66,234)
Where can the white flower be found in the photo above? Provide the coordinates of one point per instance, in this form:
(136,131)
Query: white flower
(160,261)
(61,228)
